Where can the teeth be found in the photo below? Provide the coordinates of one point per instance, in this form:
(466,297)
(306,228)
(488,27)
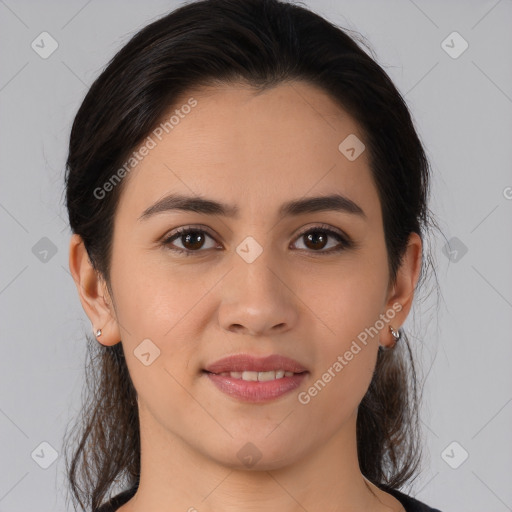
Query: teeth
(258,376)
(263,376)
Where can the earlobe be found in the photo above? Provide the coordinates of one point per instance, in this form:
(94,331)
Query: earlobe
(93,293)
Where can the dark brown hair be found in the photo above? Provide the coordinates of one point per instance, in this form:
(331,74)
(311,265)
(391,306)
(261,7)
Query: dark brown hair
(261,43)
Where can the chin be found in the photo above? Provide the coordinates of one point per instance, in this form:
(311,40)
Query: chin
(256,455)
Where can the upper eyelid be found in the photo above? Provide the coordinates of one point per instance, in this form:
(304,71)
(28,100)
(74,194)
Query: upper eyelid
(324,227)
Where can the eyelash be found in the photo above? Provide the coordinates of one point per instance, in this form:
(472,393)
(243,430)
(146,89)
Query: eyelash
(346,242)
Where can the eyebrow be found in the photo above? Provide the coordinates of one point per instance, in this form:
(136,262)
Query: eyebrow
(333,202)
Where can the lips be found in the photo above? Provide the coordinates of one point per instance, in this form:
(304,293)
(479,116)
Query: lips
(248,363)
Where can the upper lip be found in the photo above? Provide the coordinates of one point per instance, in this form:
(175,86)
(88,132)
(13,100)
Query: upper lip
(247,362)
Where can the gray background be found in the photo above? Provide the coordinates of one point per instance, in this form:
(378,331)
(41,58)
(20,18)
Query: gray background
(462,109)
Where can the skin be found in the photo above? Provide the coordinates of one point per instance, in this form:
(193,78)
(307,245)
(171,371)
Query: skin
(256,152)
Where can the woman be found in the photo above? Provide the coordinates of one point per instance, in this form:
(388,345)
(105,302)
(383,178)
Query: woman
(248,198)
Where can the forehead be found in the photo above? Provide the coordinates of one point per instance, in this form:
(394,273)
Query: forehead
(255,150)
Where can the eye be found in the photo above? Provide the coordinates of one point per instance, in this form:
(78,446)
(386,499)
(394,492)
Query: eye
(192,238)
(316,239)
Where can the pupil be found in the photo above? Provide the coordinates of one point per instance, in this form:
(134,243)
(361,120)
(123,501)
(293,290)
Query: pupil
(316,238)
(190,236)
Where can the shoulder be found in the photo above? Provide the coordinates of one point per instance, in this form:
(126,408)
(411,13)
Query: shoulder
(117,501)
(409,503)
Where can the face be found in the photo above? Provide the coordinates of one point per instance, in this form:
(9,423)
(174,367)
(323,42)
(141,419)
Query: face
(300,283)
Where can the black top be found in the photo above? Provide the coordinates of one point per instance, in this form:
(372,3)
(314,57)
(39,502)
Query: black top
(410,504)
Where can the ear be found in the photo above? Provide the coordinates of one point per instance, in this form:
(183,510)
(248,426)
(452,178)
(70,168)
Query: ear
(93,293)
(401,295)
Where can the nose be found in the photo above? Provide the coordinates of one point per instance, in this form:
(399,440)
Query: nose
(258,298)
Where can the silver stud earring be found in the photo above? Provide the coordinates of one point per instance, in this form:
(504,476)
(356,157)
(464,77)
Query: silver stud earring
(396,337)
(98,333)
(395,333)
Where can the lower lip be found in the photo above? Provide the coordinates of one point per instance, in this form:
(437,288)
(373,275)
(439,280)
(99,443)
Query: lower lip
(256,391)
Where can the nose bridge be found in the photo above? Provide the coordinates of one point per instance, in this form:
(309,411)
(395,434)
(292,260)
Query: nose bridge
(256,264)
(260,262)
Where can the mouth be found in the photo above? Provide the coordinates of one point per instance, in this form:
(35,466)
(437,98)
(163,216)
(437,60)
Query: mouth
(252,379)
(249,364)
(253,376)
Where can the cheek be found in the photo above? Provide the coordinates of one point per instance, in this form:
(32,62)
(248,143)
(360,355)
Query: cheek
(151,297)
(349,308)
(342,373)
(155,302)
(334,396)
(349,304)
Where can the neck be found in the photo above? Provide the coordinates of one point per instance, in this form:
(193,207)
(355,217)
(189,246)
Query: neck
(177,477)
